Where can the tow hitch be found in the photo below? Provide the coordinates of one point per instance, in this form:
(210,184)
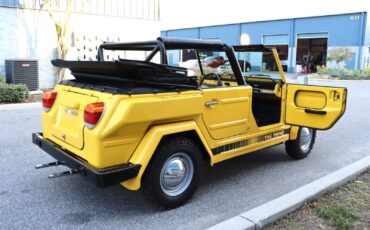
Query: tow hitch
(55,175)
(100,177)
(55,163)
(65,173)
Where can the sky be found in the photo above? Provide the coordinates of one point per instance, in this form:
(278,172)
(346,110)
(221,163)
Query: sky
(192,13)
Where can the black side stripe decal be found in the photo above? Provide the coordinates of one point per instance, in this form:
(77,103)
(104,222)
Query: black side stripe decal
(243,143)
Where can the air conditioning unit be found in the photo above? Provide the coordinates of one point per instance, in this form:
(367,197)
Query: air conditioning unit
(22,71)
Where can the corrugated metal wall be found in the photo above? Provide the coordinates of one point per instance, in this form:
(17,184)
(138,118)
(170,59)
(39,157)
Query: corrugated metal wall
(230,34)
(343,30)
(351,30)
(257,30)
(367,28)
(183,33)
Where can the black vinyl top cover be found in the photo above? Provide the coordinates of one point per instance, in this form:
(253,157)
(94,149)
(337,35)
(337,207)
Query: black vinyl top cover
(136,73)
(128,71)
(178,43)
(168,43)
(252,48)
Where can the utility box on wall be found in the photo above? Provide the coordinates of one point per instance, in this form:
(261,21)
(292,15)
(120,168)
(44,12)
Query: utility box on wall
(22,71)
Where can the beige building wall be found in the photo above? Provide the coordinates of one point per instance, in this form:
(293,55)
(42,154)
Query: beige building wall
(30,34)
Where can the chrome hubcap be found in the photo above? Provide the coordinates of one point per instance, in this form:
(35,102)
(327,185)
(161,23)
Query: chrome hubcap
(305,138)
(176,174)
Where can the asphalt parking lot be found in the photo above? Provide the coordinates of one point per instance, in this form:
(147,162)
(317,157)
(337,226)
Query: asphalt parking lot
(29,200)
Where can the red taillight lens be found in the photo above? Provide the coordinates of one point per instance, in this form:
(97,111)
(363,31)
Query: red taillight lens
(93,113)
(48,99)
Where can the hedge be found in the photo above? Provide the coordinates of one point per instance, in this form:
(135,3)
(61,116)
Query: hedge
(13,93)
(367,71)
(343,73)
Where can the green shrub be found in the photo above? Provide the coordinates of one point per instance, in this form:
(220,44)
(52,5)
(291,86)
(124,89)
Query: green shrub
(2,79)
(367,72)
(357,73)
(13,93)
(343,73)
(322,69)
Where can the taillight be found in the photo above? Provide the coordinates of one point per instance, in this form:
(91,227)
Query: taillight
(93,113)
(48,99)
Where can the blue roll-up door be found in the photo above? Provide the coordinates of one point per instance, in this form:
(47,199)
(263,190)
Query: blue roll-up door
(282,39)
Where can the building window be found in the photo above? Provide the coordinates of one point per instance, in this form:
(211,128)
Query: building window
(282,51)
(94,6)
(143,9)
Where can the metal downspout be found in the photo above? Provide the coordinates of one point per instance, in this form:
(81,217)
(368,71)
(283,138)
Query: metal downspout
(362,40)
(291,46)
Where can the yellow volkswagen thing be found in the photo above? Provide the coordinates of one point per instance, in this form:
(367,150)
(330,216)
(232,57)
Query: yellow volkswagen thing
(150,116)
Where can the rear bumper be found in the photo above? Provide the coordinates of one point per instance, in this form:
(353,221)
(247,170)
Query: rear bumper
(100,178)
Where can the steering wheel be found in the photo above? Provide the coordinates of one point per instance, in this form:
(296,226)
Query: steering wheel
(212,76)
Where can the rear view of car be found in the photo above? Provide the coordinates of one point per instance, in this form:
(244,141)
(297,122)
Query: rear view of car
(214,61)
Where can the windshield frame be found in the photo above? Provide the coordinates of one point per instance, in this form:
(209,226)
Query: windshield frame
(262,48)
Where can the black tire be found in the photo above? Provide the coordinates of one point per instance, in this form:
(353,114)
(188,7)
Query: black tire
(299,148)
(173,151)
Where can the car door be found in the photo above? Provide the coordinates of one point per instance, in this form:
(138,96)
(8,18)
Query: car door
(226,110)
(318,107)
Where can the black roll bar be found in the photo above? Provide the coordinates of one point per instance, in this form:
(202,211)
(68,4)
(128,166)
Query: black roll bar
(163,44)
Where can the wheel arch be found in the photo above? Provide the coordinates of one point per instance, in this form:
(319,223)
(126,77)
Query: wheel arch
(144,152)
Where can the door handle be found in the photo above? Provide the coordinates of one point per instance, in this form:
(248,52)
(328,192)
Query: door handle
(320,112)
(336,95)
(210,103)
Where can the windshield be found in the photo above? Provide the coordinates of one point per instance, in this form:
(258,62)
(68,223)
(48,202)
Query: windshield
(209,62)
(216,62)
(258,64)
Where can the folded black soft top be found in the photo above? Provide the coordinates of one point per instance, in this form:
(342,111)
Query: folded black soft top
(128,71)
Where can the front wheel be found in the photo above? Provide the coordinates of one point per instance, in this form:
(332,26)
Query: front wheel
(172,175)
(302,146)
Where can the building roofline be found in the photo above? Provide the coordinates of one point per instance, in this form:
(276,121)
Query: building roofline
(260,21)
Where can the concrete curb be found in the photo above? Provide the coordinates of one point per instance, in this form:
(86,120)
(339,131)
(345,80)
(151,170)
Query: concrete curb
(337,80)
(271,211)
(20,106)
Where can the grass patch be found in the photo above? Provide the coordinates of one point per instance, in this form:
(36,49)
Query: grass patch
(340,217)
(347,207)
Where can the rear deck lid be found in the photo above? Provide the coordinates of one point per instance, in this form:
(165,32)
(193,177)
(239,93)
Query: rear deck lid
(68,123)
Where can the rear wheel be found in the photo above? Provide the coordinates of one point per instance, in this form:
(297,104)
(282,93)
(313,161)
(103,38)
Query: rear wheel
(172,175)
(302,146)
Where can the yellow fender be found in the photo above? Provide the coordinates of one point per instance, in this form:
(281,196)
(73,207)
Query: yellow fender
(149,143)
(293,132)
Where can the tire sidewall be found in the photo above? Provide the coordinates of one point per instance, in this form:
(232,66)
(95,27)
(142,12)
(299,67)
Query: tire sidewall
(313,135)
(163,153)
(294,148)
